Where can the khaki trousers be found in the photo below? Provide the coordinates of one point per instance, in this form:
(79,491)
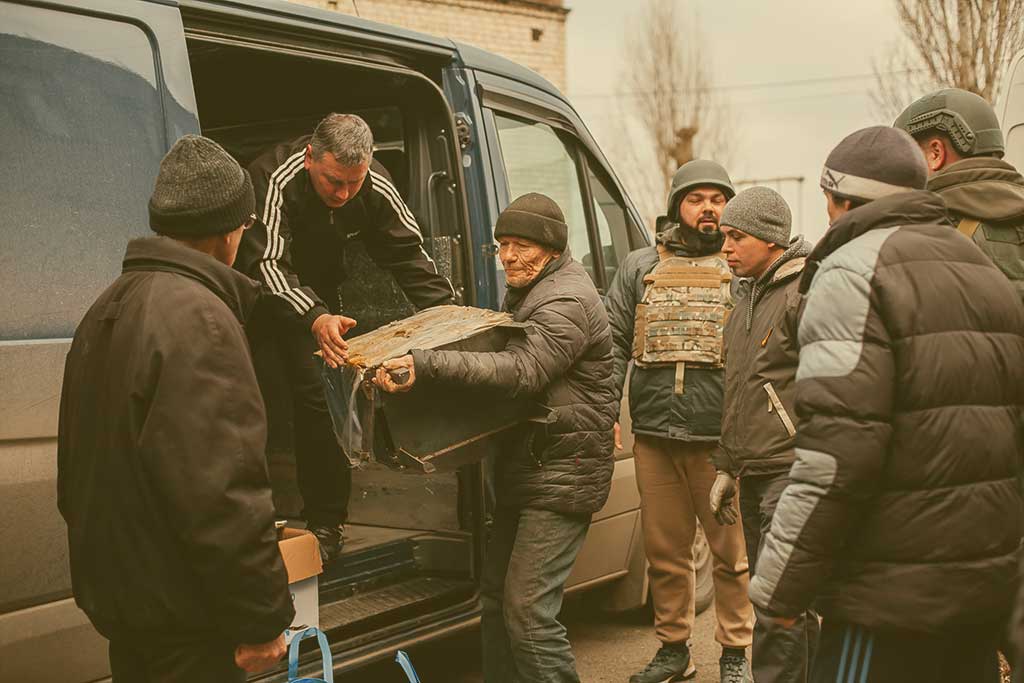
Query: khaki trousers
(674,478)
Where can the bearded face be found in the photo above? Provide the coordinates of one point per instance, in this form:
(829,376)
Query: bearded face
(701,209)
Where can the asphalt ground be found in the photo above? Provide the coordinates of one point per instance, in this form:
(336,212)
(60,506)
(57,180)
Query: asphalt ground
(608,648)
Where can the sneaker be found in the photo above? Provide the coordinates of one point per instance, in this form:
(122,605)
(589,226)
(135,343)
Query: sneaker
(734,669)
(331,541)
(672,663)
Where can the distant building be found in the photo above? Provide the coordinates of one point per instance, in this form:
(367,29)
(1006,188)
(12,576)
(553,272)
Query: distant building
(530,32)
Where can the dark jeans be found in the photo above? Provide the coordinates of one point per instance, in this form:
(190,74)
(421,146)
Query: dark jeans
(199,662)
(529,557)
(778,655)
(322,470)
(848,652)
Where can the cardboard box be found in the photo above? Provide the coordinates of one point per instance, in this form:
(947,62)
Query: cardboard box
(301,555)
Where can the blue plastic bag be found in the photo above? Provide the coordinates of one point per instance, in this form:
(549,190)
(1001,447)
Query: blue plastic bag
(325,655)
(406,664)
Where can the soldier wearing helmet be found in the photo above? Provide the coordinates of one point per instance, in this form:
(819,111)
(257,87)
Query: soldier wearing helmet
(667,307)
(959,134)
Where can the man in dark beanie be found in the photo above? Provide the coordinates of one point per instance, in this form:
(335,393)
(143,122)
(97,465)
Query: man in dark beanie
(757,443)
(550,477)
(675,403)
(161,472)
(902,519)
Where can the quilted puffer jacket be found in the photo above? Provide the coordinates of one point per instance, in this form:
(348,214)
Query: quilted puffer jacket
(563,463)
(903,511)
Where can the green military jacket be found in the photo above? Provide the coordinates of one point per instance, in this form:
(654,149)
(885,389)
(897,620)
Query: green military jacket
(985,200)
(761,357)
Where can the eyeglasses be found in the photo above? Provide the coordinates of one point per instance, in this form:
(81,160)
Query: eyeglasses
(249,222)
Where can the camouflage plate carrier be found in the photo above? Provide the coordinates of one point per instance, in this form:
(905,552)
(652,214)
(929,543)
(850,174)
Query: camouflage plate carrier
(681,317)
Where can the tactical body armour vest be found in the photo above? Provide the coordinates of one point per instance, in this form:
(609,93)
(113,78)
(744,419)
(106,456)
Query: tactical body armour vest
(680,319)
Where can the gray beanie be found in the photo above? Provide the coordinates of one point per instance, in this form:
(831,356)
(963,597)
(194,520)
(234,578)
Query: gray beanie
(873,163)
(200,191)
(760,212)
(534,217)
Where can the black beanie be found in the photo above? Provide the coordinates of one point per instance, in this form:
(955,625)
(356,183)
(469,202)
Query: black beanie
(200,191)
(875,162)
(534,217)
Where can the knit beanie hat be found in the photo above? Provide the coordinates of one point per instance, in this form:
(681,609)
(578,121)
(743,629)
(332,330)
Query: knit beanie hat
(200,191)
(534,217)
(873,163)
(760,212)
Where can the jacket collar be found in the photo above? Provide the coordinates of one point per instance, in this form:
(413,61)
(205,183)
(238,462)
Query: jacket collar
(167,255)
(785,268)
(917,207)
(984,188)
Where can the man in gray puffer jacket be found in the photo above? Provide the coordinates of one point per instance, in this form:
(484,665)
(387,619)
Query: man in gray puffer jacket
(902,519)
(551,476)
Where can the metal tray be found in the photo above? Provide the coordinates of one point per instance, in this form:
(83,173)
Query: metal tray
(434,427)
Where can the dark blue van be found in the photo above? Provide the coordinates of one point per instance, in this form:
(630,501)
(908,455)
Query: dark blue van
(93,93)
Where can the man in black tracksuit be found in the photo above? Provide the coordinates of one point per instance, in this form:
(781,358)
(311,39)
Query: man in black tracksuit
(312,195)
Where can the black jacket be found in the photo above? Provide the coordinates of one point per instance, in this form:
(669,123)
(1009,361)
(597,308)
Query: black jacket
(161,476)
(761,353)
(903,510)
(654,407)
(297,246)
(565,362)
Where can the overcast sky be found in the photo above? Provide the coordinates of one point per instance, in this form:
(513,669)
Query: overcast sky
(758,50)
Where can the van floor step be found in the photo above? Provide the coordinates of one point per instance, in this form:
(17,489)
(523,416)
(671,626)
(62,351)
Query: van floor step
(406,595)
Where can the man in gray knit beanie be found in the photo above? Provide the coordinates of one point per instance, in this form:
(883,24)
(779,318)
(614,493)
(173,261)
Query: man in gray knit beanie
(757,444)
(177,504)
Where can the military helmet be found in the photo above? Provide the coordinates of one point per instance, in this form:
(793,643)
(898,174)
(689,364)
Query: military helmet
(967,119)
(693,174)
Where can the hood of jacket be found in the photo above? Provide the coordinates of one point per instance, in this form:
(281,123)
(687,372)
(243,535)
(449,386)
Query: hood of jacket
(917,207)
(984,188)
(684,241)
(237,291)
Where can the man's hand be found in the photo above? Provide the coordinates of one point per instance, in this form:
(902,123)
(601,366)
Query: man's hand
(384,380)
(618,436)
(256,658)
(327,331)
(723,498)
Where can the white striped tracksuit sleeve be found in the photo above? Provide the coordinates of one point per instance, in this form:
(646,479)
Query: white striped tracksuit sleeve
(266,246)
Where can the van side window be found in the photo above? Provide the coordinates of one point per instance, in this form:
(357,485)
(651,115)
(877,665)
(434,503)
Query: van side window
(537,160)
(77,93)
(612,224)
(83,135)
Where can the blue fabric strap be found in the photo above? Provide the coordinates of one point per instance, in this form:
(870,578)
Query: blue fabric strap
(325,655)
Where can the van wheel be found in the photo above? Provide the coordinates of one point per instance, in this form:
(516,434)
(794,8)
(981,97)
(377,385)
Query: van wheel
(704,590)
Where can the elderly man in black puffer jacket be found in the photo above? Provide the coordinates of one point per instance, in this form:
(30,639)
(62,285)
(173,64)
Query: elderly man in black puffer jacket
(552,476)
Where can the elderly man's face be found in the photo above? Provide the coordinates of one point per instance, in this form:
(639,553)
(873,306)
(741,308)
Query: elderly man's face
(523,260)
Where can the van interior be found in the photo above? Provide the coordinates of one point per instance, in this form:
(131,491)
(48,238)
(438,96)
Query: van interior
(412,539)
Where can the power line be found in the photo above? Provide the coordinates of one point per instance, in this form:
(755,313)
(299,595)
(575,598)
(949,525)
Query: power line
(795,82)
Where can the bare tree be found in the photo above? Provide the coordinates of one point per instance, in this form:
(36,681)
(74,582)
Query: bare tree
(667,102)
(948,43)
